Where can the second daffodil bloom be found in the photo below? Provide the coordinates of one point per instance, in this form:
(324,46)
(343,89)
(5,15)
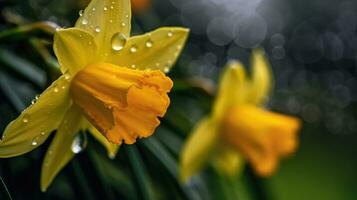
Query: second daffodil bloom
(112,84)
(239,127)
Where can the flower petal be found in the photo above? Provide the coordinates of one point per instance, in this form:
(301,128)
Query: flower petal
(228,161)
(104,18)
(60,152)
(262,79)
(158,49)
(232,89)
(35,123)
(198,148)
(112,149)
(74,49)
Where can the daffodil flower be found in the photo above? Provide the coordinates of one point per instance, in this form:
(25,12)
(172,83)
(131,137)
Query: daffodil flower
(240,128)
(112,84)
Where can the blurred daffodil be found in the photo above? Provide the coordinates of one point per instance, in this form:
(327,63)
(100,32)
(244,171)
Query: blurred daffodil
(239,127)
(112,84)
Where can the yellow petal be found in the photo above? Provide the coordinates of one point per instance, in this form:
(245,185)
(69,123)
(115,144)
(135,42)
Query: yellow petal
(123,104)
(198,148)
(35,123)
(104,18)
(262,80)
(261,136)
(74,49)
(60,151)
(112,149)
(228,161)
(155,50)
(232,89)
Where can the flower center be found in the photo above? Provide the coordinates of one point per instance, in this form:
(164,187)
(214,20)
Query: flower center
(121,103)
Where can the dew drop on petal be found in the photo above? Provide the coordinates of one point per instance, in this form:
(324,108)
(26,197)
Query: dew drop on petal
(84,21)
(55,89)
(97,29)
(118,41)
(93,9)
(133,66)
(111,21)
(123,24)
(149,44)
(67,76)
(78,143)
(35,141)
(80,13)
(105,8)
(170,34)
(25,118)
(133,49)
(166,69)
(43,133)
(111,7)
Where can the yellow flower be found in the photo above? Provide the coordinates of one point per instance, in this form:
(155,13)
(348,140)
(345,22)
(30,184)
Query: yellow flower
(239,127)
(112,85)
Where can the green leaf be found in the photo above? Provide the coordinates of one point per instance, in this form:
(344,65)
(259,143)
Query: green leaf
(140,172)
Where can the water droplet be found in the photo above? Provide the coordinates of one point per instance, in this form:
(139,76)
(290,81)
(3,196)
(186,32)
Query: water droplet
(93,9)
(112,7)
(113,2)
(25,118)
(43,133)
(178,48)
(123,24)
(133,49)
(111,21)
(55,89)
(118,41)
(37,96)
(84,21)
(67,76)
(170,34)
(133,66)
(33,101)
(149,44)
(35,141)
(157,64)
(97,29)
(79,143)
(126,16)
(80,13)
(166,69)
(105,8)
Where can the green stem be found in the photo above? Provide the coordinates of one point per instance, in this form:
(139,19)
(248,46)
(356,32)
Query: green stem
(82,181)
(257,186)
(5,188)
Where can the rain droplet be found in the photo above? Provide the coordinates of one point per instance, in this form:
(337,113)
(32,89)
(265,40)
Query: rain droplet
(111,21)
(133,49)
(123,24)
(170,34)
(97,29)
(80,13)
(25,118)
(33,101)
(55,89)
(118,41)
(166,69)
(157,64)
(35,141)
(149,44)
(93,9)
(43,133)
(126,16)
(84,21)
(178,48)
(111,7)
(133,66)
(78,143)
(105,8)
(67,76)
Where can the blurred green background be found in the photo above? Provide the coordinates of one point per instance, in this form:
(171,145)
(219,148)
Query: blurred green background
(311,45)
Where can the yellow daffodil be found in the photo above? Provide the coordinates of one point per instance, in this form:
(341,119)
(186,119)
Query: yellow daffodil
(112,84)
(239,127)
